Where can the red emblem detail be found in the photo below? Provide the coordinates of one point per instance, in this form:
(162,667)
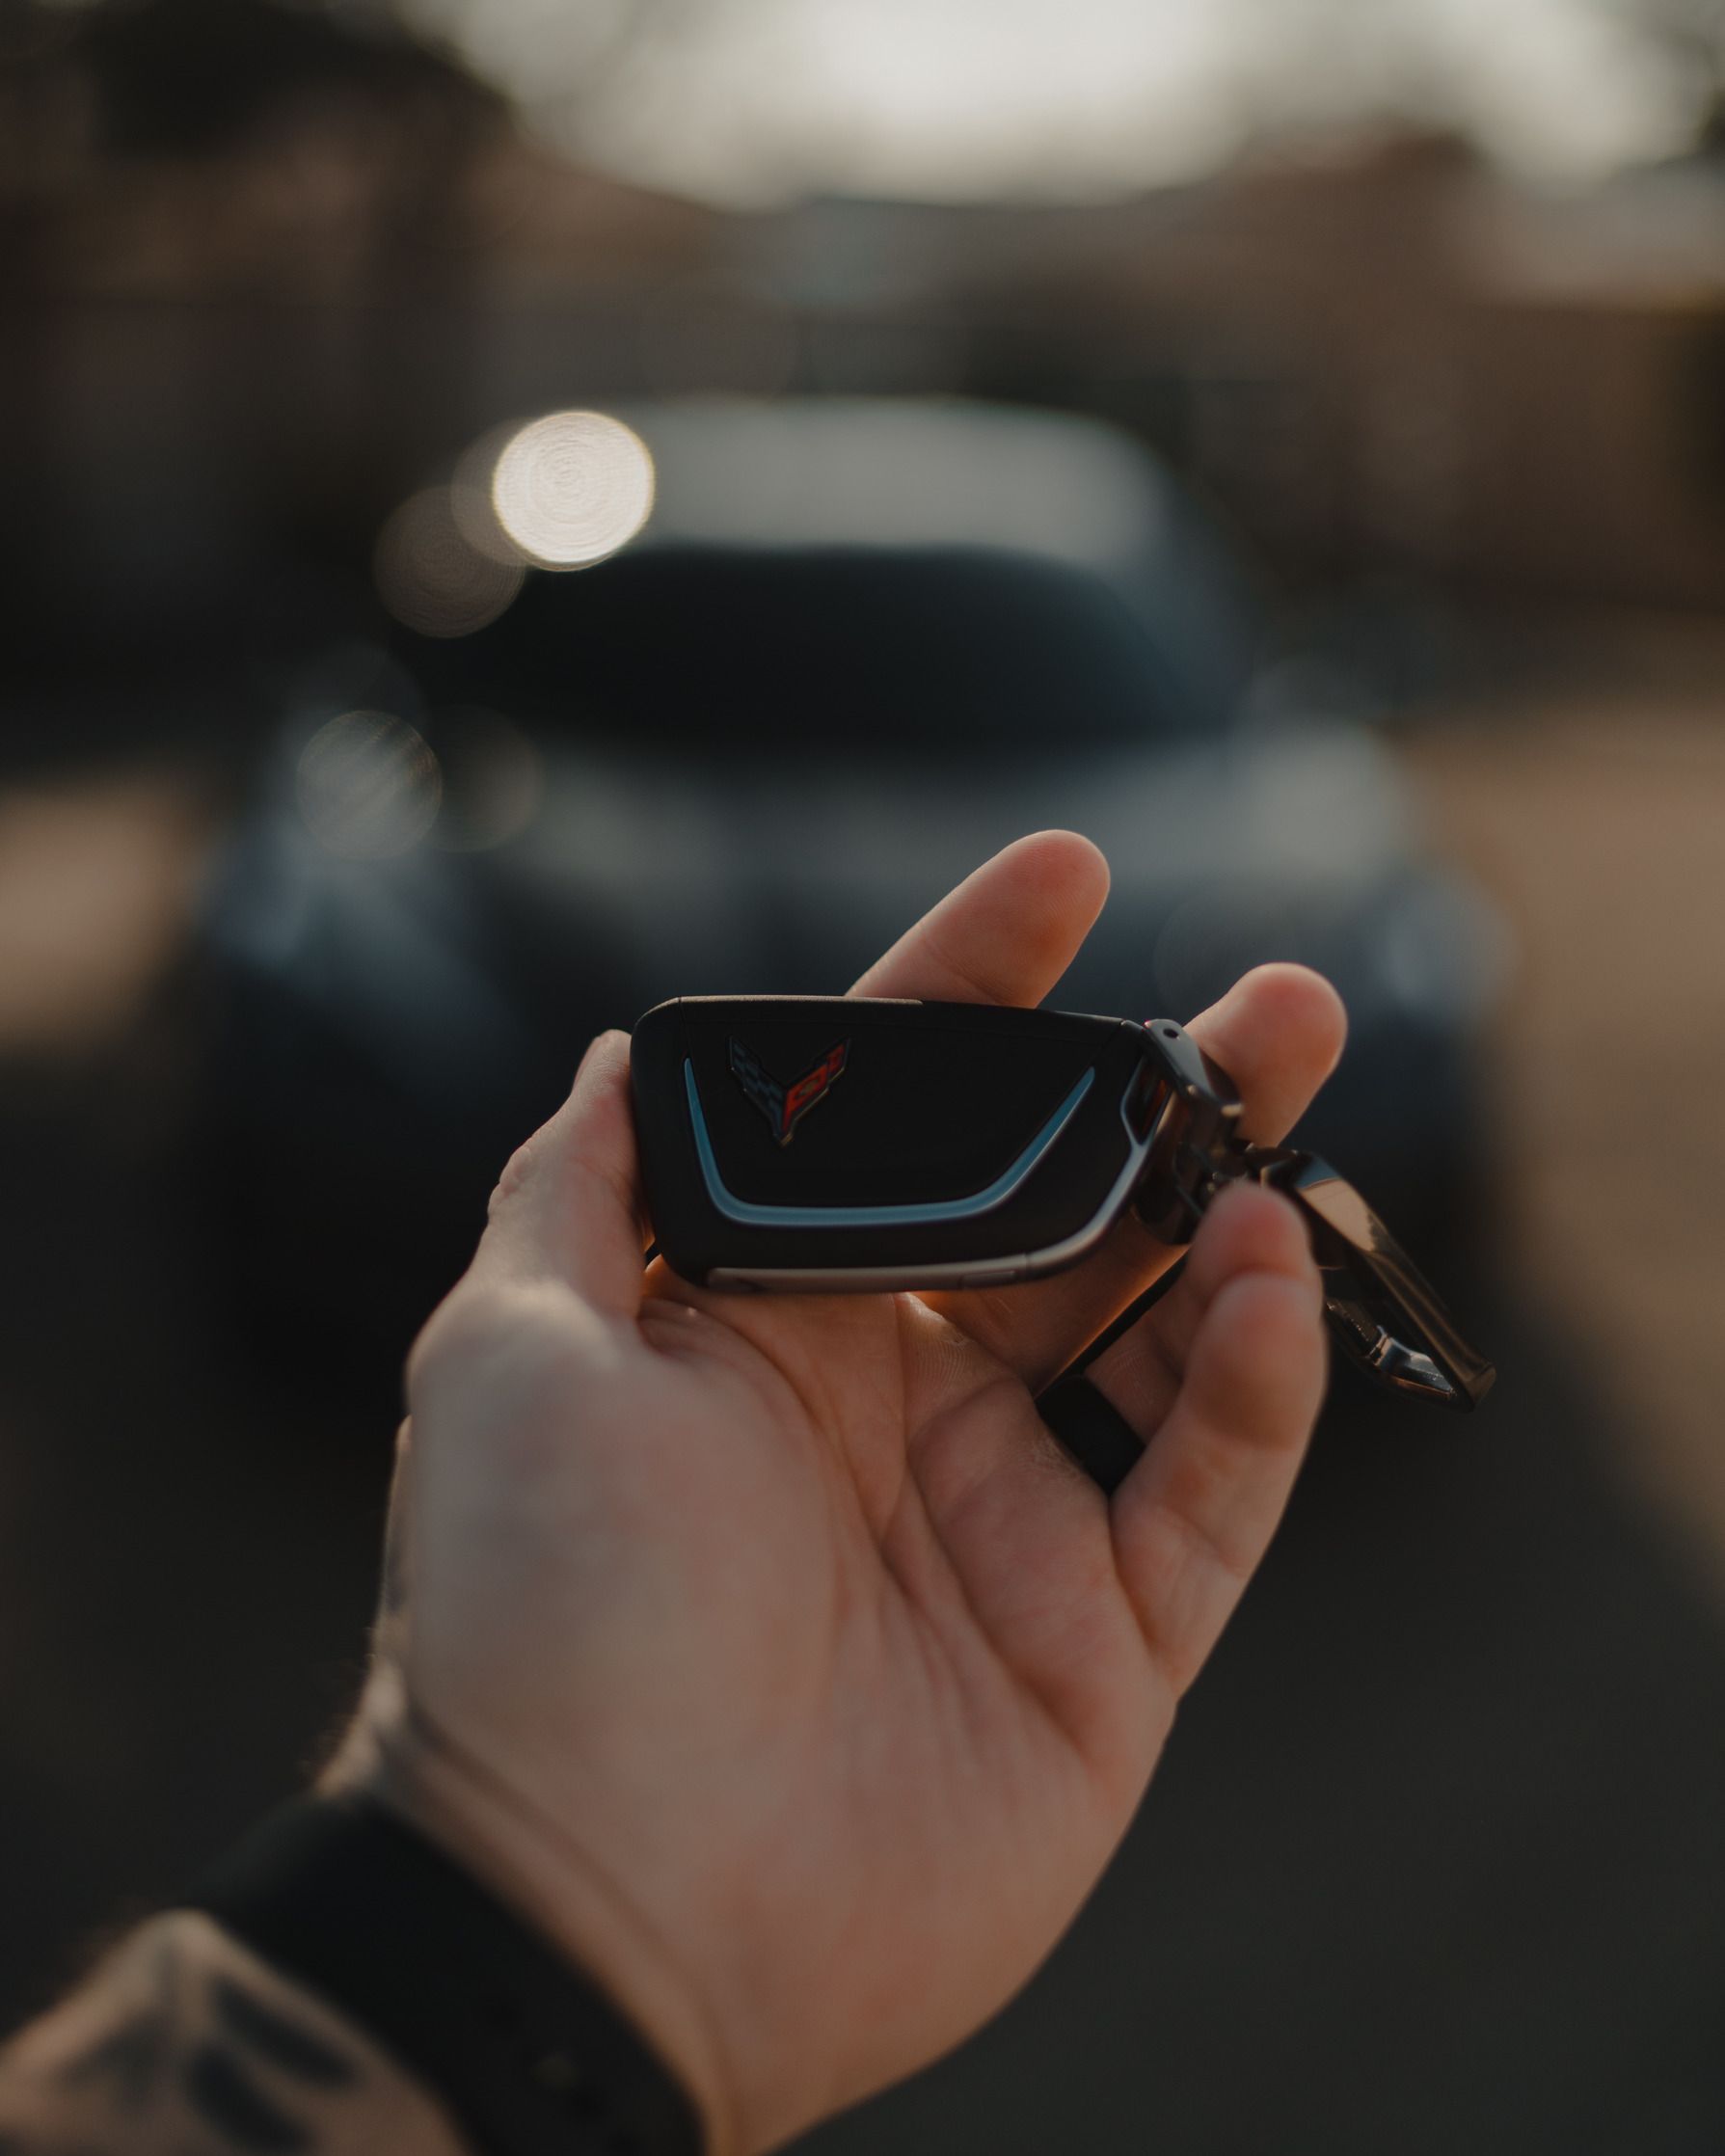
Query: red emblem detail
(785,1106)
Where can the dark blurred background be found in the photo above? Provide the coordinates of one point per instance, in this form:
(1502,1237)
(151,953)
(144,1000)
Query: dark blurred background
(511,512)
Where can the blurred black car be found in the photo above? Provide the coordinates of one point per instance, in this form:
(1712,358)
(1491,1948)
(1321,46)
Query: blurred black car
(857,648)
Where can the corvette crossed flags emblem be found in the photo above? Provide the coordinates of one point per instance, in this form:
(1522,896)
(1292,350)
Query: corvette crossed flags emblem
(785,1106)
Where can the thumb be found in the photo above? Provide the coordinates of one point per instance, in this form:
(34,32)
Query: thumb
(568,1207)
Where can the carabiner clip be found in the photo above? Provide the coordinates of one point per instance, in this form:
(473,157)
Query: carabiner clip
(1383,1314)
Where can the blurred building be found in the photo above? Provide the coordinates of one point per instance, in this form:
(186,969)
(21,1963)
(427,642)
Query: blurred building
(271,266)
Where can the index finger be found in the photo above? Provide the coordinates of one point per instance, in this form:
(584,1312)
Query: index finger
(1007,934)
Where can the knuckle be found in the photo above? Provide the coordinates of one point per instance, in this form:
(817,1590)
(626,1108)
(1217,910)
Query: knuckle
(518,1170)
(501,1343)
(464,1322)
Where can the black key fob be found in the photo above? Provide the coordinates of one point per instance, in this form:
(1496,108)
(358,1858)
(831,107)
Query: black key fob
(825,1143)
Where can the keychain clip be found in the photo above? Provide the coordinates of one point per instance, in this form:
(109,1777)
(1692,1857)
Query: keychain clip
(1383,1314)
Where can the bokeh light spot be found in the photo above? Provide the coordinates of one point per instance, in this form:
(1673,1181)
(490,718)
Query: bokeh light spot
(430,575)
(572,488)
(369,786)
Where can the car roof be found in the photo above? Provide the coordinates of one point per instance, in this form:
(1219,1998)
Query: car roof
(862,571)
(880,471)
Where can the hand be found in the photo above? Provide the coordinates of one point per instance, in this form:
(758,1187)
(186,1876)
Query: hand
(769,1650)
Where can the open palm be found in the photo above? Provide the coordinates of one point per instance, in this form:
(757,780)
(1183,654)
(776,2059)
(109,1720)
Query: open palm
(770,1649)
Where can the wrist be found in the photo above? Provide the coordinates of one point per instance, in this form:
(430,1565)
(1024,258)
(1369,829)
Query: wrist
(527,2054)
(548,1880)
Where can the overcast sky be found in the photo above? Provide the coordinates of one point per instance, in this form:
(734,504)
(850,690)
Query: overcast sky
(750,100)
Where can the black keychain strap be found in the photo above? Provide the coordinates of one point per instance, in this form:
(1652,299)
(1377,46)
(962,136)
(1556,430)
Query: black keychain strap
(1091,1427)
(1092,1430)
(527,2055)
